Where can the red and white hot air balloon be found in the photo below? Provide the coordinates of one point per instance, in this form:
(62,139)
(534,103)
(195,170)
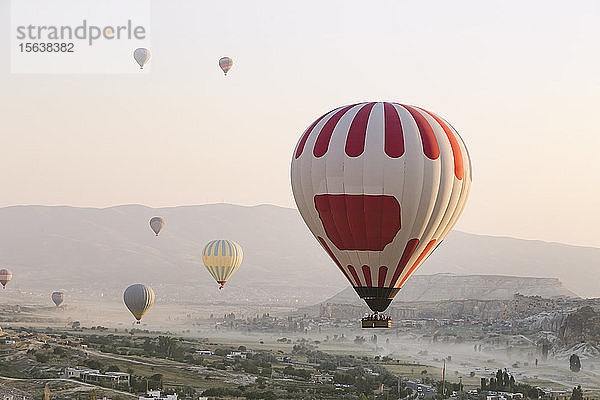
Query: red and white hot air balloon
(380,185)
(5,277)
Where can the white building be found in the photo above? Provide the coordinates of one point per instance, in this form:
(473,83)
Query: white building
(236,354)
(156,395)
(94,376)
(321,378)
(76,373)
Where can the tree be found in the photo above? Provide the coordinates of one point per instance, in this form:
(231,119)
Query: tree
(505,379)
(545,348)
(577,393)
(155,381)
(363,397)
(574,363)
(499,378)
(93,395)
(59,351)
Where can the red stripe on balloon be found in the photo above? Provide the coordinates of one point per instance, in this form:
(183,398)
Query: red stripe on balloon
(394,137)
(424,254)
(456,153)
(348,220)
(409,249)
(307,133)
(333,257)
(430,145)
(367,274)
(382,274)
(355,141)
(355,275)
(344,218)
(322,142)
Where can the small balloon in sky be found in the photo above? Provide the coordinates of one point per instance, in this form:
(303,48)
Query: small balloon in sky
(141,56)
(138,298)
(222,258)
(5,277)
(58,298)
(225,63)
(157,223)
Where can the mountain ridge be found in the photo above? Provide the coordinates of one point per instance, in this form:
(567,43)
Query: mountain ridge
(101,250)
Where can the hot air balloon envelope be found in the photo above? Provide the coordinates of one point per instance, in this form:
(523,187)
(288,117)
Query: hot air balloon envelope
(58,298)
(141,56)
(225,63)
(380,185)
(138,298)
(5,276)
(157,223)
(222,258)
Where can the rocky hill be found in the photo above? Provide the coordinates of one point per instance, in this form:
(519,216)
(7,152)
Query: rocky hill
(466,287)
(580,326)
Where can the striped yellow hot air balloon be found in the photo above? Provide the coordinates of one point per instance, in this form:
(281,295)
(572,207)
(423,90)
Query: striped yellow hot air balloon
(138,298)
(222,258)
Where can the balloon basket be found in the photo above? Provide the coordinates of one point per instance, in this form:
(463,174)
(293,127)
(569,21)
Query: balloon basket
(376,321)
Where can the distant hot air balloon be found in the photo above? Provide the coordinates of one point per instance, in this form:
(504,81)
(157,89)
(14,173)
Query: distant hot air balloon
(58,298)
(380,185)
(222,258)
(157,223)
(225,63)
(5,277)
(141,56)
(138,298)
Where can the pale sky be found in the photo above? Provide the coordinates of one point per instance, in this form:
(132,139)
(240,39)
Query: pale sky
(519,80)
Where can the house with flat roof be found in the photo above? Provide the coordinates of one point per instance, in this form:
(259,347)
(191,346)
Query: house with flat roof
(157,395)
(95,376)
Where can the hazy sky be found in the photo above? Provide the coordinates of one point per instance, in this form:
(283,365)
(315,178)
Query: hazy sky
(519,80)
